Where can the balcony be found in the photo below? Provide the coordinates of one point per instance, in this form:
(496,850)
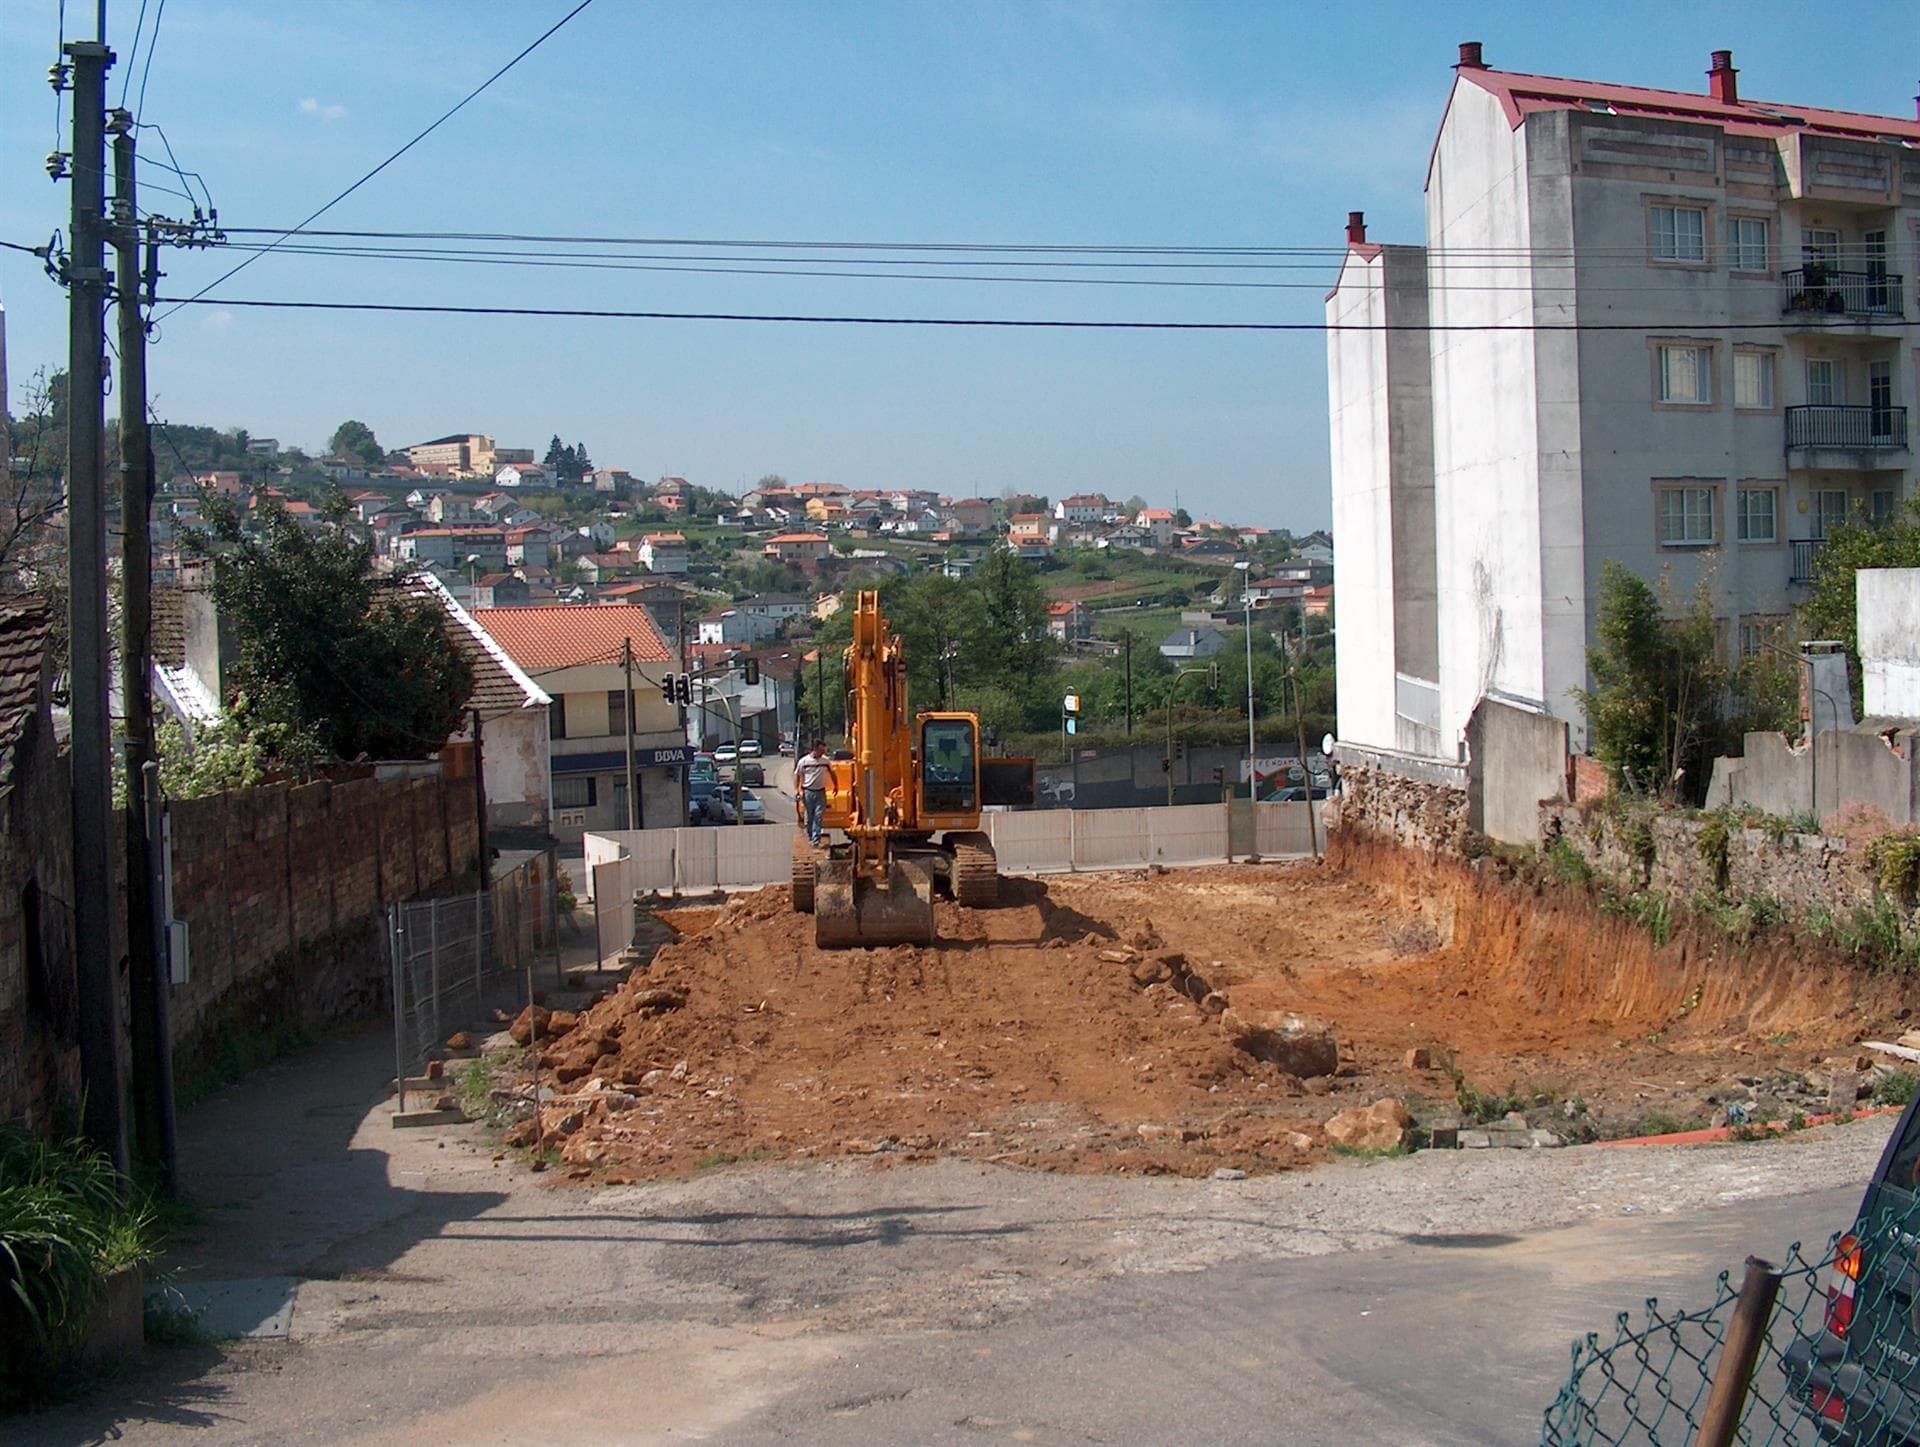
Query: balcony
(1800,555)
(1818,291)
(1846,429)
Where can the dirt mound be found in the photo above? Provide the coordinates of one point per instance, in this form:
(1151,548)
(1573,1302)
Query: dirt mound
(1168,1023)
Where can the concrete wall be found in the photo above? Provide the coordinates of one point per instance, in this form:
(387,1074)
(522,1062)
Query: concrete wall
(517,752)
(1887,607)
(1516,761)
(1853,766)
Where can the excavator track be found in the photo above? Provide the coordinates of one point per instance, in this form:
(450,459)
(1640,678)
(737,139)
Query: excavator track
(805,865)
(976,870)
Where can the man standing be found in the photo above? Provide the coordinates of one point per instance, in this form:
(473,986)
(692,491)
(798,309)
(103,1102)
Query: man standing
(812,771)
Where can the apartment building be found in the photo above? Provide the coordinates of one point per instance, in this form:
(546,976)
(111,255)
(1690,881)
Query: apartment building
(1668,330)
(464,454)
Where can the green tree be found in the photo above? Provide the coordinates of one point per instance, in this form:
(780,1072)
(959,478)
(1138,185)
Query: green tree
(335,661)
(1852,545)
(355,439)
(1654,714)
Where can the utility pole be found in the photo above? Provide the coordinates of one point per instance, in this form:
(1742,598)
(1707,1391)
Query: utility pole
(1300,725)
(92,775)
(148,976)
(633,803)
(1126,641)
(680,710)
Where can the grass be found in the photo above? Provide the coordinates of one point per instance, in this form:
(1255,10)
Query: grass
(1896,1089)
(1567,864)
(68,1221)
(1360,1153)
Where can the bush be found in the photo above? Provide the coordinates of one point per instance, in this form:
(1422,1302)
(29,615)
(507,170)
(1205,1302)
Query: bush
(67,1221)
(1568,864)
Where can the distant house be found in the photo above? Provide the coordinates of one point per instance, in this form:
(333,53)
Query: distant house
(1319,601)
(453,547)
(499,590)
(1158,522)
(1190,645)
(450,509)
(970,514)
(663,552)
(1316,547)
(616,481)
(522,474)
(1082,507)
(529,547)
(777,606)
(736,626)
(797,547)
(1029,527)
(1270,592)
(1069,623)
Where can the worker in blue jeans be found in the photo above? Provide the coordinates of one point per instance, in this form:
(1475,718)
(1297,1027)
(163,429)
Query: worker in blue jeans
(812,773)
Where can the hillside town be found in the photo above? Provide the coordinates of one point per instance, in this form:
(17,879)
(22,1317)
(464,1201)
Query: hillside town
(496,945)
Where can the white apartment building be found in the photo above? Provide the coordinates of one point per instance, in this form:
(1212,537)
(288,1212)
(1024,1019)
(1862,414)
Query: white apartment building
(1667,329)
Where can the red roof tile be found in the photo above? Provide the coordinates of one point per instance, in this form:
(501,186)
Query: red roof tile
(543,639)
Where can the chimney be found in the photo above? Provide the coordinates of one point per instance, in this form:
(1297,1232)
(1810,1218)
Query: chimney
(1356,228)
(1720,79)
(1470,56)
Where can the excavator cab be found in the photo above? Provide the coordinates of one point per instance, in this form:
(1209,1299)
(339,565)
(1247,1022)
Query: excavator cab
(950,771)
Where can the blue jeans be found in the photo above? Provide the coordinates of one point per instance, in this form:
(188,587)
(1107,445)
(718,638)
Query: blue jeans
(816,802)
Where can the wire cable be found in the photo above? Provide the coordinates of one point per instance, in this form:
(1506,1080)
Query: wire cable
(1018,323)
(133,54)
(153,40)
(443,118)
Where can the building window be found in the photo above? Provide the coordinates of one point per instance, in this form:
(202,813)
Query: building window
(1759,634)
(1758,515)
(1686,517)
(1823,382)
(617,712)
(1820,246)
(1829,510)
(1753,381)
(1686,375)
(557,717)
(1747,243)
(1885,503)
(1679,233)
(574,791)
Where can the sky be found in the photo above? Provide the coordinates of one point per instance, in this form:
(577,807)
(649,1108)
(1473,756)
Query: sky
(977,122)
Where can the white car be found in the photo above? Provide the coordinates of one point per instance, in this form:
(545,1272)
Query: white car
(726,754)
(749,748)
(720,807)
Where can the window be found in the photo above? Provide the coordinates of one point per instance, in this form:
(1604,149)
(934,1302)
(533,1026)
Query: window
(1823,382)
(1686,376)
(1829,510)
(1747,243)
(1757,517)
(617,712)
(947,775)
(1753,380)
(1884,503)
(573,791)
(557,717)
(1686,517)
(1759,634)
(1679,233)
(1820,246)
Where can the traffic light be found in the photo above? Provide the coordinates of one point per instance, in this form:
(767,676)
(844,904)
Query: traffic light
(1213,675)
(666,688)
(1166,764)
(685,687)
(750,671)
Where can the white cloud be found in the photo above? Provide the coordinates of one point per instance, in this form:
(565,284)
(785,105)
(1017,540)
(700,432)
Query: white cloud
(326,113)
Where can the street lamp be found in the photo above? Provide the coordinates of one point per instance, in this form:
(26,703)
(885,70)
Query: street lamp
(1813,726)
(473,579)
(1246,597)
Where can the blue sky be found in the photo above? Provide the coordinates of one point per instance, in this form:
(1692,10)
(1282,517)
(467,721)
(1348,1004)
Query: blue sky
(1043,122)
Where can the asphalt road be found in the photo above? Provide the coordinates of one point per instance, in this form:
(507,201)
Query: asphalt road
(441,1295)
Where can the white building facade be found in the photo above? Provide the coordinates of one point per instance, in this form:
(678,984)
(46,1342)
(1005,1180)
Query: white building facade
(1668,330)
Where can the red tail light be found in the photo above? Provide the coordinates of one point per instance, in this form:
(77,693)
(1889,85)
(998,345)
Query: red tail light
(1841,1283)
(1829,1405)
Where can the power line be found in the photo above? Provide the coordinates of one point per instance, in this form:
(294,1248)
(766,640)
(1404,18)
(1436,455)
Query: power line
(133,54)
(445,116)
(1033,324)
(153,40)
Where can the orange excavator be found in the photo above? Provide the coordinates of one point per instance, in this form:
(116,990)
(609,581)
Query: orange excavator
(908,802)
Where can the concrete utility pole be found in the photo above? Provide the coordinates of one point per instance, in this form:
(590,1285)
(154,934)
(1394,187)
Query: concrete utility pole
(148,973)
(1300,726)
(92,775)
(633,803)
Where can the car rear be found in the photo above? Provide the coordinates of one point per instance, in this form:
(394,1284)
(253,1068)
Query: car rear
(1859,1371)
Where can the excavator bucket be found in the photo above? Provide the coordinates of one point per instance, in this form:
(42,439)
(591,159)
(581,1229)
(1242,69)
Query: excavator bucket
(850,911)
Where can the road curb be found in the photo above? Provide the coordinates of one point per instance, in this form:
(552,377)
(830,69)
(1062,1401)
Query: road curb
(1725,1132)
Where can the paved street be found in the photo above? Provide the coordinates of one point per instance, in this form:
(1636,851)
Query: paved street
(443,1296)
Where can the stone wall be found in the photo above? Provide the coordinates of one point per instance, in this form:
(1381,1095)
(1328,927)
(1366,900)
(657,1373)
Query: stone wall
(283,889)
(1386,805)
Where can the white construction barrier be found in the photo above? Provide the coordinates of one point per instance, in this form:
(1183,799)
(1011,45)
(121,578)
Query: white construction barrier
(752,854)
(1186,833)
(613,888)
(1036,843)
(1281,829)
(1112,838)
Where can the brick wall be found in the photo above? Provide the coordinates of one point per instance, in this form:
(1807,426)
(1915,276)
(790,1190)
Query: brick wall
(283,889)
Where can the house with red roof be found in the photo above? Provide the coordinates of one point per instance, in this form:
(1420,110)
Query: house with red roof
(1665,329)
(1069,623)
(577,654)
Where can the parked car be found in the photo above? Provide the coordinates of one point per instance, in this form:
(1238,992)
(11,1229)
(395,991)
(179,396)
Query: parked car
(700,788)
(749,748)
(702,767)
(720,807)
(726,754)
(1295,794)
(752,773)
(787,744)
(1855,1366)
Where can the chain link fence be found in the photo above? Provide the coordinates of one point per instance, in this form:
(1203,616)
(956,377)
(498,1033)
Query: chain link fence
(456,959)
(1837,1359)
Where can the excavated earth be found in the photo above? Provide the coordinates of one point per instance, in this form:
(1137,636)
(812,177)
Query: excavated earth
(1040,1033)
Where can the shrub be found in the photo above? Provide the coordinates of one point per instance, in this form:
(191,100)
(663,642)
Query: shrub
(1894,859)
(1568,864)
(1715,835)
